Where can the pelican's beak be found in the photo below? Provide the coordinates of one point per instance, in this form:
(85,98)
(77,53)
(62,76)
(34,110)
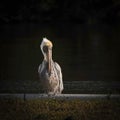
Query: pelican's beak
(47,49)
(49,60)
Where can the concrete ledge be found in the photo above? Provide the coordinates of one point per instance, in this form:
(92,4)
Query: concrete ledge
(61,96)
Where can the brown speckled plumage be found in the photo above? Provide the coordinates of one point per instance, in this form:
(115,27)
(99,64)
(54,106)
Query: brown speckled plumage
(49,71)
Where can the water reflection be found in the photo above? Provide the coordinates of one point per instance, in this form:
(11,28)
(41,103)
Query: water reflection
(85,53)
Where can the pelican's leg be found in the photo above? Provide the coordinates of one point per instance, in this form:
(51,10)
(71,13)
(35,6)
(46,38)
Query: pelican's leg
(46,91)
(50,94)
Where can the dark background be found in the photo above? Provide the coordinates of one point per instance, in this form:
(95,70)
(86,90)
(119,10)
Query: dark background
(78,11)
(85,34)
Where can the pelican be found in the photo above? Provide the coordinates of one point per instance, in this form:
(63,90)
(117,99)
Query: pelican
(49,71)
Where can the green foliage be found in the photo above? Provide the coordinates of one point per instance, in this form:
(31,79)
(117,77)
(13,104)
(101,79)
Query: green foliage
(52,109)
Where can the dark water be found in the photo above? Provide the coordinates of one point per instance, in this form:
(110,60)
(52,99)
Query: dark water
(85,53)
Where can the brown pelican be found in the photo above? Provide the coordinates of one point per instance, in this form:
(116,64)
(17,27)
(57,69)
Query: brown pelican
(49,71)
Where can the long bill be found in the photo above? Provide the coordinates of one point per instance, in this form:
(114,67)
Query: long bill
(49,61)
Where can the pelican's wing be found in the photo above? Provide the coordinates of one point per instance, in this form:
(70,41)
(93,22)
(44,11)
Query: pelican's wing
(40,68)
(59,73)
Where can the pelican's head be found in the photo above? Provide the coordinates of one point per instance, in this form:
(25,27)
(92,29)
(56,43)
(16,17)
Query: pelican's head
(46,48)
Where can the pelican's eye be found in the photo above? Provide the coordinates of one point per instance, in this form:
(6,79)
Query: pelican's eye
(45,49)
